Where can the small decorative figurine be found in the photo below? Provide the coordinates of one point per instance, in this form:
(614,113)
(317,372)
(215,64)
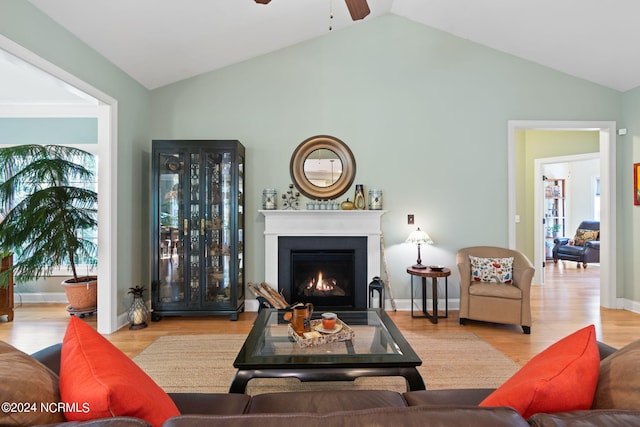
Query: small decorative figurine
(358,200)
(346,205)
(138,312)
(290,200)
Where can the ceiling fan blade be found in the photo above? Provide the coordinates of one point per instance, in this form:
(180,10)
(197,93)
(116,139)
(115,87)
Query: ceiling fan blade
(357,8)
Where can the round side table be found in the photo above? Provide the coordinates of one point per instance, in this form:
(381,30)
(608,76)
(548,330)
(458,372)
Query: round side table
(425,273)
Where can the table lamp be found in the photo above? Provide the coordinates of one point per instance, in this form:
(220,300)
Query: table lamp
(419,237)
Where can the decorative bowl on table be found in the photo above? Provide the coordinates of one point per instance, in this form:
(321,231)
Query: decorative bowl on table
(436,267)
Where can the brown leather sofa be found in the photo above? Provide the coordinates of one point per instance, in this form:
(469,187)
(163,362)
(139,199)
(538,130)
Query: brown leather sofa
(354,408)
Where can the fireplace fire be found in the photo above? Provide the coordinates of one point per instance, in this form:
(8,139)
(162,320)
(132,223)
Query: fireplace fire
(323,277)
(321,287)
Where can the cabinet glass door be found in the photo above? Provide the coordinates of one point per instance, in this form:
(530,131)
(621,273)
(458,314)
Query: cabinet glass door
(218,228)
(170,209)
(240,237)
(219,213)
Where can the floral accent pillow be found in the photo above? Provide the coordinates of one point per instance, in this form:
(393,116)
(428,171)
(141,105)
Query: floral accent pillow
(583,236)
(491,270)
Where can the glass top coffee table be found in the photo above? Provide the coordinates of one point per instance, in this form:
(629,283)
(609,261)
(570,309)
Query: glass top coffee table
(377,349)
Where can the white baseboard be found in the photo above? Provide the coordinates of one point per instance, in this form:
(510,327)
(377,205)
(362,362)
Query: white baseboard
(39,297)
(251,305)
(633,306)
(405,305)
(123,320)
(401,305)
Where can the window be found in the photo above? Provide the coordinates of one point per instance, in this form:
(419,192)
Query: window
(84,266)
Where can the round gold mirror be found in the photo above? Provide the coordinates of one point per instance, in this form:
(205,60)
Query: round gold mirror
(323,167)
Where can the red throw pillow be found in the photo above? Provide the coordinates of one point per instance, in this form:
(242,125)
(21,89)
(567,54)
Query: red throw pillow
(98,381)
(561,378)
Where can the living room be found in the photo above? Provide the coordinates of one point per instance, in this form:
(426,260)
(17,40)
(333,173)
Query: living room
(433,96)
(426,114)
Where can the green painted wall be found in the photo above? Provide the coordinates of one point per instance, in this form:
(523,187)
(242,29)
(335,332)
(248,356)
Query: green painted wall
(629,214)
(424,112)
(77,130)
(27,26)
(539,144)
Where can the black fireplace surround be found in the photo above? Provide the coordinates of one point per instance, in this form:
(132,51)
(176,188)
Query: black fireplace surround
(327,271)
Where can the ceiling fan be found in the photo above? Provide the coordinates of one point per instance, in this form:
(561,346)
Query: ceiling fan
(357,8)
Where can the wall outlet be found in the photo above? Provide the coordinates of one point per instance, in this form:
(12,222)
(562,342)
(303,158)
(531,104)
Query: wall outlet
(410,219)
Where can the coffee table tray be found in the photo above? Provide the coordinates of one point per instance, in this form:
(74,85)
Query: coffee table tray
(319,338)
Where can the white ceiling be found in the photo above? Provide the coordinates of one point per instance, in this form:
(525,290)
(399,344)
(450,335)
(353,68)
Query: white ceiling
(159,42)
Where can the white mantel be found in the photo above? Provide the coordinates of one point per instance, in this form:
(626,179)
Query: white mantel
(278,223)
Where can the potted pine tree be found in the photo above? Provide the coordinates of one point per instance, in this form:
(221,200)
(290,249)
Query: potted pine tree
(46,211)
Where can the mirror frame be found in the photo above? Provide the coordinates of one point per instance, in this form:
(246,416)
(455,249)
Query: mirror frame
(303,151)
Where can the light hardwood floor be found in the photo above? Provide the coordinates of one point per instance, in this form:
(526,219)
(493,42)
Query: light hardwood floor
(568,301)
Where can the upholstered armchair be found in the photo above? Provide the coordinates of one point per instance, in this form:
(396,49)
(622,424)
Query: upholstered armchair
(492,292)
(583,249)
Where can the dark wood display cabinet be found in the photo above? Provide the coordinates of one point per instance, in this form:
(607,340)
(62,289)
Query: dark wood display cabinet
(198,228)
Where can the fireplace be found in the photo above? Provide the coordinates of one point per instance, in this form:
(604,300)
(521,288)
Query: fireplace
(314,228)
(325,271)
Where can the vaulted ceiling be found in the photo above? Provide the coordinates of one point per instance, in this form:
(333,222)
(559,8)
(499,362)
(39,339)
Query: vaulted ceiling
(158,42)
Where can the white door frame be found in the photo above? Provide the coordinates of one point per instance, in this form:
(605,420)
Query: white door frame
(607,131)
(538,207)
(106,113)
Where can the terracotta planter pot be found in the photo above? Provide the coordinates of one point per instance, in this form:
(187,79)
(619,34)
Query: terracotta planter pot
(82,294)
(6,292)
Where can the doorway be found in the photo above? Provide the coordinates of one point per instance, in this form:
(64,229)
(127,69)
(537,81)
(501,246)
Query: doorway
(607,139)
(105,110)
(577,197)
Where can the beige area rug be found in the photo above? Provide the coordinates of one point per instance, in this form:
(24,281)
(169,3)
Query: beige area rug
(204,363)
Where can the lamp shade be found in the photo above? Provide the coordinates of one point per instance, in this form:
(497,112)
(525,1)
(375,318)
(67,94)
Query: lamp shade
(419,237)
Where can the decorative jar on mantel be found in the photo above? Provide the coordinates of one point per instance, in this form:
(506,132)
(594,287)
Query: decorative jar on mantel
(269,199)
(375,199)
